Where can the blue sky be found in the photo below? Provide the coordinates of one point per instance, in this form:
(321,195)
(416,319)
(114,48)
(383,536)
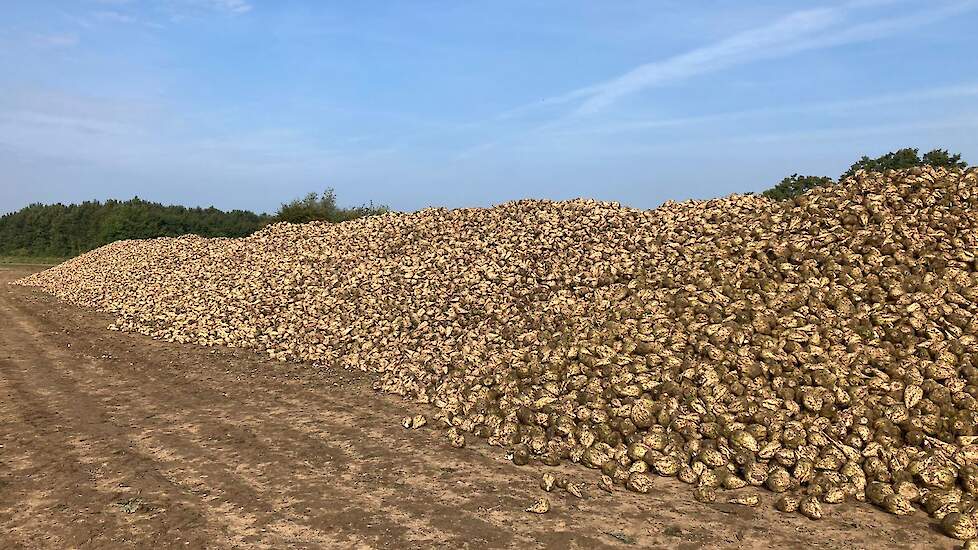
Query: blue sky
(247,103)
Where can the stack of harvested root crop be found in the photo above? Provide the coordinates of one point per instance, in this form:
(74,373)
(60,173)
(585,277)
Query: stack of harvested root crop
(825,348)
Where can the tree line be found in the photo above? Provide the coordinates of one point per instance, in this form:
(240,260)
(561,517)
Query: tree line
(59,230)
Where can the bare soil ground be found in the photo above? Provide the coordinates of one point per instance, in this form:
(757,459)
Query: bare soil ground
(112,440)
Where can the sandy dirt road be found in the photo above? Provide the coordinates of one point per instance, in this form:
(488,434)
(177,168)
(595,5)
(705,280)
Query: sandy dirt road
(112,440)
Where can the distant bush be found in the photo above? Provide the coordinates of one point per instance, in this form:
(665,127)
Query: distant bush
(905,158)
(314,207)
(795,185)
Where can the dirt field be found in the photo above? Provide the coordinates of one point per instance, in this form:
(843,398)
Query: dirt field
(112,440)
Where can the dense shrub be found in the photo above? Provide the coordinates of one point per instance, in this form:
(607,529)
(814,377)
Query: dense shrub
(323,207)
(905,158)
(795,185)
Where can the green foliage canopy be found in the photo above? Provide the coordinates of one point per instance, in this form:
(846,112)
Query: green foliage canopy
(59,230)
(67,230)
(795,185)
(905,158)
(314,207)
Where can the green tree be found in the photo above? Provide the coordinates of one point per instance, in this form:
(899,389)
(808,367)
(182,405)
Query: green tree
(795,185)
(905,158)
(60,230)
(941,157)
(315,207)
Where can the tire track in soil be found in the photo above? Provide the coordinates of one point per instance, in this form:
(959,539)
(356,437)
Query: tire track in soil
(173,448)
(232,450)
(79,453)
(185,457)
(18,461)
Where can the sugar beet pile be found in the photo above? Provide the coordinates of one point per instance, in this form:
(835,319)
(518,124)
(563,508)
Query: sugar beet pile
(824,348)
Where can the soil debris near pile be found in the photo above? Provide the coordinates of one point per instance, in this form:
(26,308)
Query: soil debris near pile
(823,348)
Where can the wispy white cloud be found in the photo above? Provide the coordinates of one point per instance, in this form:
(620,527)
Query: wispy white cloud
(846,105)
(867,134)
(183,10)
(113,16)
(796,32)
(959,121)
(36,121)
(764,41)
(229,6)
(591,134)
(18,128)
(55,40)
(236,6)
(142,136)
